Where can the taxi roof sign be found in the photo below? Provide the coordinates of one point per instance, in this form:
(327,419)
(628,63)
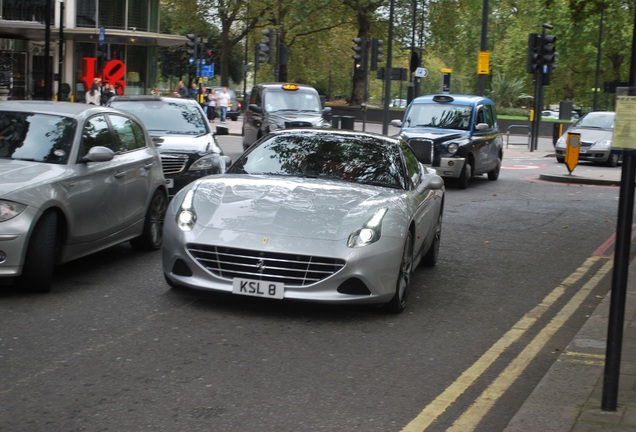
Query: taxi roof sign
(290,87)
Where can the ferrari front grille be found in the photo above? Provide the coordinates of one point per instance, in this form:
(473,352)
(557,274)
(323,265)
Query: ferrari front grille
(173,163)
(290,269)
(423,150)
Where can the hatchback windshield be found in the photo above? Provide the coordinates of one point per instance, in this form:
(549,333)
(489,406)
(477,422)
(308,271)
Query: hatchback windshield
(291,101)
(597,120)
(36,137)
(439,116)
(166,117)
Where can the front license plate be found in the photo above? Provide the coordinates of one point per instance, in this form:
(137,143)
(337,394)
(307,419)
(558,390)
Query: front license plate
(169,183)
(258,288)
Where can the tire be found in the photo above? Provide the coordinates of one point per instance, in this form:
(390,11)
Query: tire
(612,160)
(467,173)
(37,272)
(560,160)
(494,174)
(403,284)
(152,236)
(430,258)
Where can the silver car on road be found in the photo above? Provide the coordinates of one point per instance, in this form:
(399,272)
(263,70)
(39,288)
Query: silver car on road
(74,179)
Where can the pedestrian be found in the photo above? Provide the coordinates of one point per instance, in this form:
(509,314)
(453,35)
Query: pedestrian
(93,96)
(204,101)
(107,92)
(181,90)
(193,91)
(224,102)
(211,100)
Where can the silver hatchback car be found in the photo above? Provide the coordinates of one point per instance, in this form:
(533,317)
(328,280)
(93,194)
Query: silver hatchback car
(74,179)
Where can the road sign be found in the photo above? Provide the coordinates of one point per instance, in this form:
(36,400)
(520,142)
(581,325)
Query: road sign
(572,147)
(101,35)
(207,70)
(421,72)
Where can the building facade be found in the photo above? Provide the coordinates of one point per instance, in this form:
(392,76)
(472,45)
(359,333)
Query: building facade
(115,40)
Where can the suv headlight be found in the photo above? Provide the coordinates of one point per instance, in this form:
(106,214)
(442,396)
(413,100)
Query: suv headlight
(206,163)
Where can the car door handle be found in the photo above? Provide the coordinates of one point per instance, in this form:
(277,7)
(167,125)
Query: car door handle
(120,174)
(148,166)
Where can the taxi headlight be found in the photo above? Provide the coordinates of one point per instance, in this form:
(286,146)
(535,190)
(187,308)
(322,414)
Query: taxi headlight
(273,127)
(452,148)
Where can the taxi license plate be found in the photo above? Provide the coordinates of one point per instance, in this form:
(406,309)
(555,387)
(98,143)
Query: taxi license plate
(169,183)
(258,288)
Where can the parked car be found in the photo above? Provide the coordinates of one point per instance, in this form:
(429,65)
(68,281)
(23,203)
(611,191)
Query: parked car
(556,114)
(234,109)
(597,130)
(308,214)
(275,106)
(188,147)
(398,103)
(74,179)
(457,135)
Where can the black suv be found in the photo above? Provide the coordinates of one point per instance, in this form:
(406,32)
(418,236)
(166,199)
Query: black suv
(274,106)
(182,133)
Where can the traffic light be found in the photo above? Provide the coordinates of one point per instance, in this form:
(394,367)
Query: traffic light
(548,57)
(267,47)
(376,53)
(191,44)
(360,49)
(208,56)
(534,53)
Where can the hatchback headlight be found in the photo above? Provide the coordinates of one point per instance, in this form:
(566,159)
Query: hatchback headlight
(10,209)
(602,144)
(561,142)
(368,233)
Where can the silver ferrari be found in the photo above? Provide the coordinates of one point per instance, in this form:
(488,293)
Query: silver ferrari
(316,215)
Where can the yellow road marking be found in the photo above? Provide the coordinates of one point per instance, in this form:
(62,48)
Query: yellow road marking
(484,403)
(438,406)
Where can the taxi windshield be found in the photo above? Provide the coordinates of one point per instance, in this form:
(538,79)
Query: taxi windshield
(435,115)
(291,101)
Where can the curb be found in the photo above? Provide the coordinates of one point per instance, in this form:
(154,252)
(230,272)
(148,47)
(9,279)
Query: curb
(572,179)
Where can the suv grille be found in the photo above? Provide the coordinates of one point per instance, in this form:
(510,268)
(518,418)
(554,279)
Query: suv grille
(290,269)
(423,150)
(173,163)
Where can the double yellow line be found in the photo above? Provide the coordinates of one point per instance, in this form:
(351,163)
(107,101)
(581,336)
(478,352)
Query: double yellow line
(470,418)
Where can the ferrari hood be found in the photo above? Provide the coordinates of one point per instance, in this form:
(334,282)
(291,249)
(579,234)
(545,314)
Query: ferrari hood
(275,206)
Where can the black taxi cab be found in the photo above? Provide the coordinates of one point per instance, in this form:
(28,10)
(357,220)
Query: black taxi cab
(274,106)
(457,135)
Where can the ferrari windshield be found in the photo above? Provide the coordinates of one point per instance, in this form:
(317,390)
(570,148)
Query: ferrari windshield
(437,115)
(352,158)
(36,137)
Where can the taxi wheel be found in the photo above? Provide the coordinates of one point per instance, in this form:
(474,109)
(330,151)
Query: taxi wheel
(403,285)
(467,173)
(37,273)
(494,174)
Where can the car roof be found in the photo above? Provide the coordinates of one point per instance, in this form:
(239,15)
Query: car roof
(68,109)
(454,99)
(151,98)
(278,85)
(335,132)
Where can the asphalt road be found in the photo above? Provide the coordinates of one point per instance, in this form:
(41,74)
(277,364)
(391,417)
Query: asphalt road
(112,348)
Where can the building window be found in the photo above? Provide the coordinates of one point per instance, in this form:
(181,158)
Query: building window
(86,13)
(112,14)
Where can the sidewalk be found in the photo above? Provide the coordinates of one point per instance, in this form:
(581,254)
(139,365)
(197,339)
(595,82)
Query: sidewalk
(568,398)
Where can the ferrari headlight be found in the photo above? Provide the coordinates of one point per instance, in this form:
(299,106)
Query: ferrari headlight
(205,163)
(9,210)
(186,216)
(452,148)
(602,145)
(369,232)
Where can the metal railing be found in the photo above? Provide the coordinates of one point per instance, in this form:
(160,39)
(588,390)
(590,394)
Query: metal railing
(529,134)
